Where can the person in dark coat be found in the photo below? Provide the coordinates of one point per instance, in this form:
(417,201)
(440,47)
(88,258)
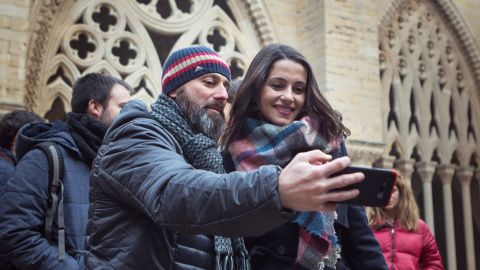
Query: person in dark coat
(9,127)
(278,111)
(160,198)
(96,99)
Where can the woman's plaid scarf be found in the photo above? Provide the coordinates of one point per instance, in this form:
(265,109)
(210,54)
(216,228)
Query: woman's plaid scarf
(260,143)
(202,153)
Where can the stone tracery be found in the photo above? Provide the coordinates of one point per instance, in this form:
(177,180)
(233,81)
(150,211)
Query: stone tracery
(430,81)
(131,39)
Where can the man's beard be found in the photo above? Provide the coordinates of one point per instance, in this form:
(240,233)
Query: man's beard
(210,125)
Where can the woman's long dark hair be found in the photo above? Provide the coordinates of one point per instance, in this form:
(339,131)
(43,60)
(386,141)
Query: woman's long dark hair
(246,101)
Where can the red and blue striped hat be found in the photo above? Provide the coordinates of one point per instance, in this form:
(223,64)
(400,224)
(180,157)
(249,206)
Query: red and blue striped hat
(189,63)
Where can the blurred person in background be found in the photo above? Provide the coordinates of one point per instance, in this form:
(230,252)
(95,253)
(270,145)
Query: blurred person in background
(406,240)
(9,127)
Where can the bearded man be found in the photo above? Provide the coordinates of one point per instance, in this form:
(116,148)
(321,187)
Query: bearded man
(159,196)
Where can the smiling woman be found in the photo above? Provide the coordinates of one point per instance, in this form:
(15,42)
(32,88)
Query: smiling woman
(278,112)
(282,69)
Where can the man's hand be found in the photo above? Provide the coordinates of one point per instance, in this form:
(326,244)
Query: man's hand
(306,187)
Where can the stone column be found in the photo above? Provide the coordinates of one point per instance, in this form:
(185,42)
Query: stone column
(477,176)
(464,174)
(446,171)
(406,167)
(426,169)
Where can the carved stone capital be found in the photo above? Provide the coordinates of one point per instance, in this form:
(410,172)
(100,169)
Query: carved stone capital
(446,172)
(364,153)
(385,162)
(465,174)
(406,166)
(426,169)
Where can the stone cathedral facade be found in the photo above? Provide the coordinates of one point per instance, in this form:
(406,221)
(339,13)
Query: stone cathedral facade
(404,73)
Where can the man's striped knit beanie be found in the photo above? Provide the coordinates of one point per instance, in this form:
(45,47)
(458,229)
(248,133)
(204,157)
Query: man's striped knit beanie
(189,63)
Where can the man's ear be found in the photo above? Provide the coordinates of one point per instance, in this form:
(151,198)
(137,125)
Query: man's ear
(95,109)
(173,94)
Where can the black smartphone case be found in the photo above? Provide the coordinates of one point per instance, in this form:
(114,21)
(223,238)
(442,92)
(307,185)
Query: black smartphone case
(375,190)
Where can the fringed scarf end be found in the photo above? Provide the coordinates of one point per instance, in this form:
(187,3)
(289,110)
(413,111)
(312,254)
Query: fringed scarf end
(224,262)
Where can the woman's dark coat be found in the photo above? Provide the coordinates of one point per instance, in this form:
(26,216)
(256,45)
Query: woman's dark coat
(360,250)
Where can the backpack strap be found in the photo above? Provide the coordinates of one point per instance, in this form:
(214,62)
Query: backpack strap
(55,186)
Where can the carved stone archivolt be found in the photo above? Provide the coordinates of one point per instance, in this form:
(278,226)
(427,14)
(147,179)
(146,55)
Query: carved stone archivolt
(256,10)
(43,13)
(131,39)
(455,23)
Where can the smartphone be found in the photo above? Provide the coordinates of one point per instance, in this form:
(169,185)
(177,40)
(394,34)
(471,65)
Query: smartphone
(375,190)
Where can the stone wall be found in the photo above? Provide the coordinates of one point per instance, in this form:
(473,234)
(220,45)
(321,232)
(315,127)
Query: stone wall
(14,23)
(353,81)
(340,40)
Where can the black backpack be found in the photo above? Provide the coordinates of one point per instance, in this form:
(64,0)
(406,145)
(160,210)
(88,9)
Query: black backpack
(55,186)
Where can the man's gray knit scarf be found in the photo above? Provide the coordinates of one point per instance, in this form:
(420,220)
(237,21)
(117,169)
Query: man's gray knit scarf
(202,153)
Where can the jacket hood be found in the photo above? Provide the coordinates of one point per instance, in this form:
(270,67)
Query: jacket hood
(35,133)
(134,109)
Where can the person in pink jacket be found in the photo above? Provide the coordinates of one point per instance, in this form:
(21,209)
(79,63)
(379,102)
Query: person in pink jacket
(405,239)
